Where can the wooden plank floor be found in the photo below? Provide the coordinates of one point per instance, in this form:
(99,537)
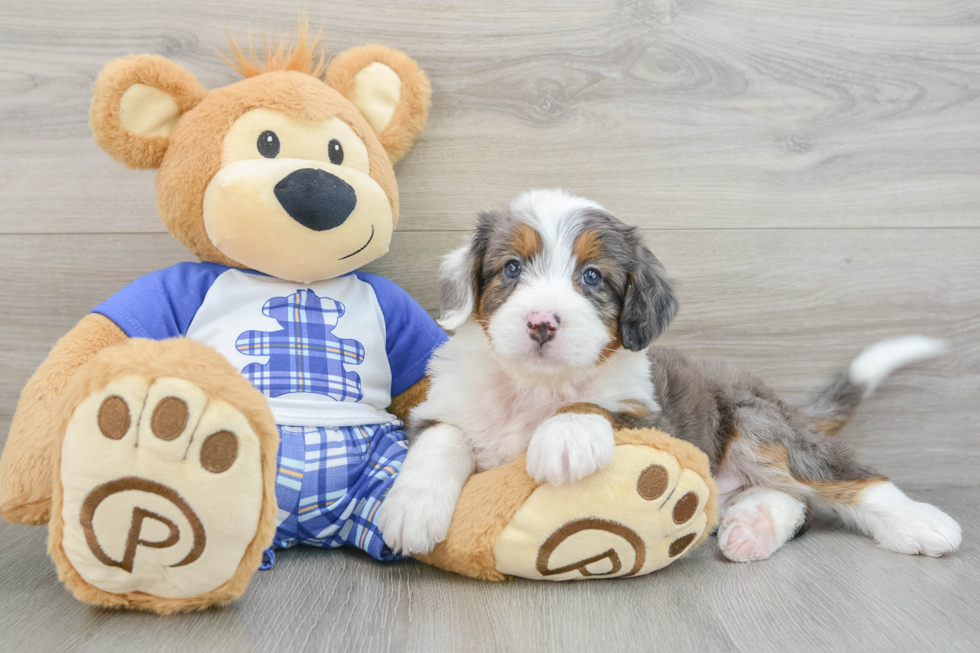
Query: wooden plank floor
(827,591)
(808,171)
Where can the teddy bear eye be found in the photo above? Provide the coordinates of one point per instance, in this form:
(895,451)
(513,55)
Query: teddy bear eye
(268,144)
(336,152)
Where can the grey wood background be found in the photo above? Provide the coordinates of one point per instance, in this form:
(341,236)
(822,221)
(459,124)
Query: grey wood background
(808,171)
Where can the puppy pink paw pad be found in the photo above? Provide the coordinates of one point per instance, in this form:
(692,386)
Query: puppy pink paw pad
(748,535)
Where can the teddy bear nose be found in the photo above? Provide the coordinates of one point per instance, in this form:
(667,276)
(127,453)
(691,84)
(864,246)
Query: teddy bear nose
(316,199)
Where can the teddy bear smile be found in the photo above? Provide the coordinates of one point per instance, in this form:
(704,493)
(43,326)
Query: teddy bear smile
(362,247)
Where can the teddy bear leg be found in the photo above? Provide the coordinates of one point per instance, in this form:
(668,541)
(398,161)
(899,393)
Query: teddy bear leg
(651,505)
(163,495)
(26,464)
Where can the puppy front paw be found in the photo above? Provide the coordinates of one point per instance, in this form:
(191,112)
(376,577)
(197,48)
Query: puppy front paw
(414,518)
(568,447)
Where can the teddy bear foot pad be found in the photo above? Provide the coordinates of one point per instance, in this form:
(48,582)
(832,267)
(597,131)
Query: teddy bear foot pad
(162,488)
(643,512)
(651,505)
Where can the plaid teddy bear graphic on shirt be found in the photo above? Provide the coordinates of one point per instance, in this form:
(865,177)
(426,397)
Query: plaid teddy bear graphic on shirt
(304,356)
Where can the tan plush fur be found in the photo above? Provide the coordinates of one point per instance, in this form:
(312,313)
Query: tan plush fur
(130,149)
(406,401)
(213,374)
(490,500)
(303,55)
(413,105)
(28,457)
(194,155)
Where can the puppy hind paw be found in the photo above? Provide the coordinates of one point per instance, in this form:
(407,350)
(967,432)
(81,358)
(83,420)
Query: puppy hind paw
(921,529)
(899,523)
(748,535)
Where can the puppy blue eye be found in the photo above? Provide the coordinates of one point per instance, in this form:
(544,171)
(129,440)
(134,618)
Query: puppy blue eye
(512,270)
(591,277)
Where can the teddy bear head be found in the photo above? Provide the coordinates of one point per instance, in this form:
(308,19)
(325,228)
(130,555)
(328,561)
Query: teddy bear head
(287,172)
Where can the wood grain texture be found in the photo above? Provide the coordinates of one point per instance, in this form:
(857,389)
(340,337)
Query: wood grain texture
(828,591)
(689,113)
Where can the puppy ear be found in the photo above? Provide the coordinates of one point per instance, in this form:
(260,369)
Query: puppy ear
(390,91)
(650,303)
(457,287)
(136,105)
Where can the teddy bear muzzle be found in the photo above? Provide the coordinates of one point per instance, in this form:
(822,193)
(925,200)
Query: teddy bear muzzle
(297,219)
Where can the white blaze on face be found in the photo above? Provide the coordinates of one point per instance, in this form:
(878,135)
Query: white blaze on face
(547,285)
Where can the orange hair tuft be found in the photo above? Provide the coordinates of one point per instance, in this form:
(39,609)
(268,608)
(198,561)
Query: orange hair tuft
(304,55)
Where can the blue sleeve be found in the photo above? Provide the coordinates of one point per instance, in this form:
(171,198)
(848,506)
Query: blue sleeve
(411,333)
(161,304)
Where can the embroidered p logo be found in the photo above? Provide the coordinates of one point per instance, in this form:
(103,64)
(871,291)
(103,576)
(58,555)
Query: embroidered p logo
(607,563)
(139,517)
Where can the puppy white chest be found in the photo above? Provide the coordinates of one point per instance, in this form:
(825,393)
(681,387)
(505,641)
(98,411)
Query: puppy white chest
(506,425)
(499,413)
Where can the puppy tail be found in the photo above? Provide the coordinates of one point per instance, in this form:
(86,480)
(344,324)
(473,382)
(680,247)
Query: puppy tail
(835,406)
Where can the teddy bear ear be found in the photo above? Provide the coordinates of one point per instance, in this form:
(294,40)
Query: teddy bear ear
(136,105)
(390,91)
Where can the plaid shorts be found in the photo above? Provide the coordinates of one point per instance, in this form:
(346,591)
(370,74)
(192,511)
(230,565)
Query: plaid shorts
(330,484)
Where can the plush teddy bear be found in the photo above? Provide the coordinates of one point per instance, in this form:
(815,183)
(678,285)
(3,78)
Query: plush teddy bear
(211,412)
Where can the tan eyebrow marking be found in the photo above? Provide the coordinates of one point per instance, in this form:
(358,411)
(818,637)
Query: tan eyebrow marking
(526,241)
(588,245)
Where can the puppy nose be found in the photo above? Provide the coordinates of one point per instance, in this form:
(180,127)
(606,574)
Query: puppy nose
(316,199)
(542,326)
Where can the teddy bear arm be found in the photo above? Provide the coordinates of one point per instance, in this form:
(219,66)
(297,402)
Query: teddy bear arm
(26,466)
(402,405)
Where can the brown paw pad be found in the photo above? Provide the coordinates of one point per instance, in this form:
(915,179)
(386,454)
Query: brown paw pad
(685,508)
(653,482)
(169,418)
(678,546)
(219,451)
(114,419)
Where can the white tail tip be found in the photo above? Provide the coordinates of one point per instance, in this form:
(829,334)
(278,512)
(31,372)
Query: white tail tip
(882,358)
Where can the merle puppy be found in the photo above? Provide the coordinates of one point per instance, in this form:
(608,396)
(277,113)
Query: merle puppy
(554,304)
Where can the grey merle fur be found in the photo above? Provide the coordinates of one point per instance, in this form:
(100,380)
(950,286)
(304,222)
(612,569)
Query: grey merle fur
(645,299)
(708,403)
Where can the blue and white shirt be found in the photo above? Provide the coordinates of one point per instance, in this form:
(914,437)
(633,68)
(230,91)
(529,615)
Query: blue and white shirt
(331,353)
